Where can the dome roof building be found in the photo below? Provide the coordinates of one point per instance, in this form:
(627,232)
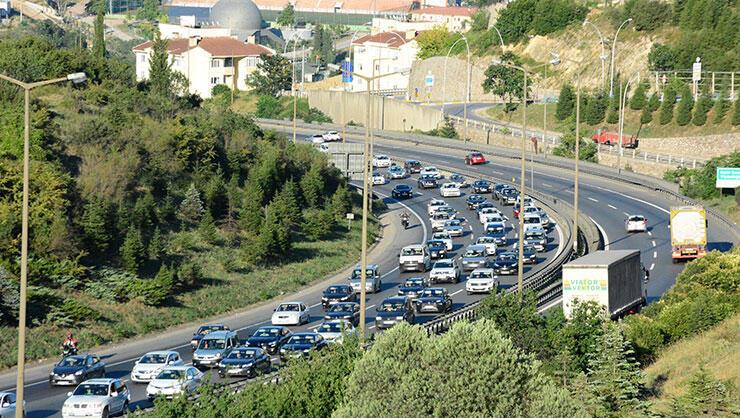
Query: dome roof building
(241,17)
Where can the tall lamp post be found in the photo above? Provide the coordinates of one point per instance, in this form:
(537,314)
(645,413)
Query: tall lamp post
(544,132)
(622,105)
(468,70)
(350,64)
(602,41)
(293,83)
(614,50)
(27,87)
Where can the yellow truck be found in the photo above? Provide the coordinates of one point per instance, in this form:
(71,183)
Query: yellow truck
(688,232)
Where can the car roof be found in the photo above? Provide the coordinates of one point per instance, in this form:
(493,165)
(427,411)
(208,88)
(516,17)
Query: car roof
(304,333)
(402,185)
(336,321)
(436,288)
(212,325)
(476,247)
(291,303)
(482,270)
(102,380)
(165,352)
(218,334)
(395,299)
(536,229)
(370,266)
(271,327)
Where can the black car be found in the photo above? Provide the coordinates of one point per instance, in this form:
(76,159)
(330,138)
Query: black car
(498,188)
(338,293)
(485,204)
(427,181)
(245,361)
(437,249)
(434,299)
(203,330)
(412,166)
(412,287)
(73,370)
(344,310)
(394,310)
(269,338)
(402,190)
(301,344)
(459,180)
(474,200)
(508,196)
(506,263)
(530,253)
(482,186)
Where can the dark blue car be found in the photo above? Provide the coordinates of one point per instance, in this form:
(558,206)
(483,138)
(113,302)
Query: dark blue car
(349,311)
(73,370)
(393,311)
(245,361)
(269,338)
(402,191)
(301,344)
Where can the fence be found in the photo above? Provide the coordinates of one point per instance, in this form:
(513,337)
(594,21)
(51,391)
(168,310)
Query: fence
(714,79)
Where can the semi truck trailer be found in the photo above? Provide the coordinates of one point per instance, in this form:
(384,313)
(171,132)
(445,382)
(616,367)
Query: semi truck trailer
(688,233)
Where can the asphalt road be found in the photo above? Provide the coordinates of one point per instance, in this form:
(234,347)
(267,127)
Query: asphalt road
(46,401)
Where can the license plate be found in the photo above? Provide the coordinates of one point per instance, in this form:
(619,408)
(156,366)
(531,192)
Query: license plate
(233,371)
(389,322)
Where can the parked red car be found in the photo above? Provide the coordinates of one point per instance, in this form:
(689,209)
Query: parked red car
(475,157)
(602,136)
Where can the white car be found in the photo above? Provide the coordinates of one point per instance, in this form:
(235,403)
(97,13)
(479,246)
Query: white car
(378,179)
(97,398)
(414,257)
(444,271)
(532,222)
(489,243)
(150,364)
(449,190)
(434,204)
(488,211)
(432,171)
(332,136)
(439,219)
(317,139)
(381,161)
(636,223)
(323,148)
(531,210)
(173,381)
(491,218)
(443,236)
(291,313)
(7,405)
(482,280)
(334,330)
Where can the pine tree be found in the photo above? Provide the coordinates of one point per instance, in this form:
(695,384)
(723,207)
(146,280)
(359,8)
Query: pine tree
(317,223)
(646,116)
(701,109)
(683,114)
(312,185)
(217,197)
(273,240)
(98,225)
(133,252)
(448,129)
(251,214)
(639,100)
(160,69)
(736,113)
(721,106)
(612,115)
(144,214)
(705,396)
(207,228)
(595,109)
(341,203)
(191,209)
(566,102)
(287,204)
(156,245)
(666,108)
(99,32)
(327,48)
(654,102)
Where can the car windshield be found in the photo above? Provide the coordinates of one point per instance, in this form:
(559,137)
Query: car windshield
(358,272)
(330,327)
(480,275)
(242,354)
(91,389)
(342,307)
(482,183)
(475,154)
(495,229)
(153,359)
(443,264)
(289,307)
(267,332)
(171,374)
(441,216)
(532,220)
(390,306)
(402,187)
(474,252)
(507,257)
(486,240)
(411,251)
(414,283)
(72,362)
(336,290)
(534,235)
(441,235)
(636,219)
(433,292)
(436,203)
(302,339)
(430,169)
(427,177)
(435,243)
(211,344)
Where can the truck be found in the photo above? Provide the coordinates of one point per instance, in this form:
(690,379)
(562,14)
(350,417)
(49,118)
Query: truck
(613,278)
(688,232)
(605,137)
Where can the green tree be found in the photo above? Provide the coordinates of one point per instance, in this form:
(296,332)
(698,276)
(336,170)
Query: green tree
(273,241)
(286,18)
(480,21)
(287,204)
(341,203)
(268,107)
(144,215)
(654,102)
(191,208)
(553,15)
(234,195)
(435,42)
(317,223)
(156,245)
(312,185)
(149,10)
(566,102)
(447,130)
(612,115)
(661,58)
(251,215)
(666,108)
(647,15)
(98,225)
(99,32)
(703,105)
(580,335)
(683,114)
(272,77)
(207,228)
(595,109)
(646,116)
(133,252)
(328,55)
(705,396)
(639,98)
(216,197)
(516,19)
(160,68)
(721,106)
(506,82)
(736,113)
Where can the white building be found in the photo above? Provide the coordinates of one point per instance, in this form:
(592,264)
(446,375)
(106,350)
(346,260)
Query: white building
(4,8)
(381,24)
(206,62)
(384,53)
(455,19)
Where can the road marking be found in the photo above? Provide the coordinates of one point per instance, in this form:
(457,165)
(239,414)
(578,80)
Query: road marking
(653,243)
(500,173)
(603,232)
(547,185)
(632,198)
(593,200)
(371,327)
(370,307)
(613,207)
(655,254)
(569,191)
(453,294)
(626,214)
(652,266)
(650,233)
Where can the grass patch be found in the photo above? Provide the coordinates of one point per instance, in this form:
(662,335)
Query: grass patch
(718,350)
(728,205)
(244,103)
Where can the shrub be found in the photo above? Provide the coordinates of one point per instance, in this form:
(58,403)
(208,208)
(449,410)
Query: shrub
(78,311)
(736,114)
(191,208)
(639,100)
(566,102)
(661,58)
(646,116)
(666,108)
(654,102)
(721,106)
(683,116)
(153,292)
(189,276)
(647,15)
(220,89)
(268,107)
(317,223)
(553,15)
(133,252)
(701,109)
(595,109)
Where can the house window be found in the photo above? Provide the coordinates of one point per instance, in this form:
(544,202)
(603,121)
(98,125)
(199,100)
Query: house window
(228,62)
(177,62)
(215,63)
(251,61)
(215,80)
(142,58)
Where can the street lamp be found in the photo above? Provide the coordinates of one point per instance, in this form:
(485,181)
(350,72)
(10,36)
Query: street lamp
(614,49)
(468,70)
(500,38)
(76,78)
(603,55)
(622,104)
(294,38)
(344,87)
(552,61)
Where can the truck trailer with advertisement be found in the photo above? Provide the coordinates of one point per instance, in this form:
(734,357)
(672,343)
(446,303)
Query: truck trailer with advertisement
(613,278)
(688,233)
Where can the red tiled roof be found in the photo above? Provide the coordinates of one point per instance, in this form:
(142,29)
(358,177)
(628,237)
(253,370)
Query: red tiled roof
(446,11)
(223,46)
(392,39)
(174,46)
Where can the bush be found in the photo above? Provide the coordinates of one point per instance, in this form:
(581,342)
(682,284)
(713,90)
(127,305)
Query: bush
(646,116)
(701,109)
(153,292)
(189,276)
(654,102)
(220,89)
(78,311)
(595,109)
(639,100)
(661,58)
(553,15)
(721,106)
(647,15)
(317,223)
(133,252)
(268,107)
(566,102)
(666,108)
(683,117)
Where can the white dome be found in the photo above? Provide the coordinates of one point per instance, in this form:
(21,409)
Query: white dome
(241,16)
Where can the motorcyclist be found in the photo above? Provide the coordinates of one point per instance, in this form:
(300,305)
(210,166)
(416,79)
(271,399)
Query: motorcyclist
(69,346)
(405,219)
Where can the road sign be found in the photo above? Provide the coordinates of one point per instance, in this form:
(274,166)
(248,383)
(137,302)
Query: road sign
(429,79)
(728,177)
(347,69)
(696,71)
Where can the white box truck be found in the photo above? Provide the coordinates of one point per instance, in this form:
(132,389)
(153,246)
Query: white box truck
(614,279)
(688,233)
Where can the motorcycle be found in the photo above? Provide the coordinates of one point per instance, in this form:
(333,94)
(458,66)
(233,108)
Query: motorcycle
(405,223)
(68,350)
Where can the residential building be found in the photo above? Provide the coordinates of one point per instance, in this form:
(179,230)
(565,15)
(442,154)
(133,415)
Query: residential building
(381,24)
(455,19)
(4,8)
(338,12)
(384,53)
(206,62)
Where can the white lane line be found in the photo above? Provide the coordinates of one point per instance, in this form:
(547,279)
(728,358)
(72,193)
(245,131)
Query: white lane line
(560,241)
(315,326)
(626,214)
(603,232)
(370,307)
(569,191)
(655,254)
(653,243)
(632,198)
(650,233)
(652,266)
(453,294)
(421,221)
(593,200)
(613,207)
(500,173)
(547,185)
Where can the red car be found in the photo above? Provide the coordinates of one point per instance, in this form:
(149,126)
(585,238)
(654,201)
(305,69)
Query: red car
(475,157)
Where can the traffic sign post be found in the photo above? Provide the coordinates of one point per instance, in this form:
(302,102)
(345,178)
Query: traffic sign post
(429,83)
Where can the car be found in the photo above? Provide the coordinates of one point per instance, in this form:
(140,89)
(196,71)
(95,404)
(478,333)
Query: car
(532,221)
(412,166)
(536,237)
(332,136)
(444,271)
(482,280)
(439,219)
(8,405)
(529,255)
(338,293)
(334,331)
(506,263)
(435,300)
(474,257)
(378,178)
(317,139)
(459,180)
(486,205)
(446,209)
(482,213)
(499,188)
(474,200)
(414,257)
(269,338)
(443,236)
(482,186)
(475,157)
(349,311)
(636,223)
(204,330)
(245,361)
(148,366)
(426,181)
(173,381)
(431,171)
(322,147)
(449,190)
(489,243)
(301,344)
(396,172)
(373,281)
(454,227)
(381,161)
(488,218)
(544,219)
(214,347)
(402,190)
(394,310)
(508,196)
(437,248)
(497,231)
(73,370)
(528,210)
(412,287)
(97,398)
(291,313)
(434,204)
(528,201)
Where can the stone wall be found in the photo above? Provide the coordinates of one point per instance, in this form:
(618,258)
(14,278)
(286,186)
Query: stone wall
(452,87)
(704,147)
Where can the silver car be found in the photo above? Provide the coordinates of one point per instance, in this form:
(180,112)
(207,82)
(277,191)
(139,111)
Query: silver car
(373,282)
(454,227)
(474,257)
(7,405)
(173,381)
(214,347)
